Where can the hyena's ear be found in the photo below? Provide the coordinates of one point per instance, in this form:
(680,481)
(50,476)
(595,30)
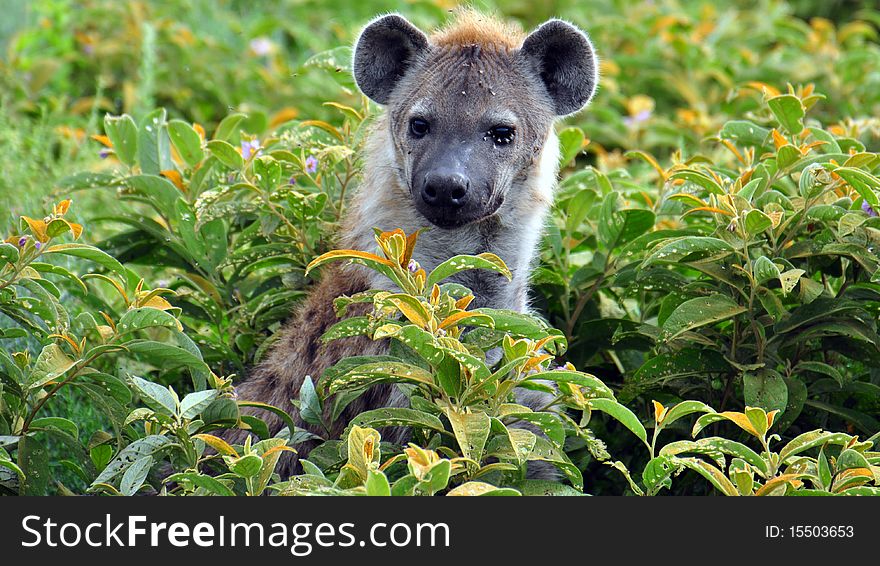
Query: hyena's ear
(563,57)
(382,54)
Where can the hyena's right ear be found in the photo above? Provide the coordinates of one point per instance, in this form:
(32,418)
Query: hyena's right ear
(564,59)
(383,52)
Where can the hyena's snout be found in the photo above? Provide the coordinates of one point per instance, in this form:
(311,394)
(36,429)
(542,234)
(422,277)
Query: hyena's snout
(454,191)
(445,190)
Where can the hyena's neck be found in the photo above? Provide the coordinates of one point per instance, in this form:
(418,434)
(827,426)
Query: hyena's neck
(513,233)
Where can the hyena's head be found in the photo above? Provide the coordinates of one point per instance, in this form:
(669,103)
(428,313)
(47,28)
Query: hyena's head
(470,107)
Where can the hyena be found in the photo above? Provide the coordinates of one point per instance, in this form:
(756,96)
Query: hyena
(466,146)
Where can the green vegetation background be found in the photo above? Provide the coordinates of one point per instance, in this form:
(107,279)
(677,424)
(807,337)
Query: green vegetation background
(678,77)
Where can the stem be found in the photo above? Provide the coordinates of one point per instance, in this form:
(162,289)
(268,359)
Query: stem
(582,303)
(39,405)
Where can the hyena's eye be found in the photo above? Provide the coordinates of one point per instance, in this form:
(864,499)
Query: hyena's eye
(501,135)
(419,127)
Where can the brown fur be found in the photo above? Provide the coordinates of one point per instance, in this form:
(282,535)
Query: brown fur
(469,27)
(300,352)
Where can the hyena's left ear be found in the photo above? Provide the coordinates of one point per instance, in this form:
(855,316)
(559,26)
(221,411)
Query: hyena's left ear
(563,57)
(383,52)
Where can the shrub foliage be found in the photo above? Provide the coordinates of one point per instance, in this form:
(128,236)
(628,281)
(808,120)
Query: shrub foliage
(706,303)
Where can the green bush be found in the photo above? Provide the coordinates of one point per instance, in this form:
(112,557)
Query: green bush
(712,257)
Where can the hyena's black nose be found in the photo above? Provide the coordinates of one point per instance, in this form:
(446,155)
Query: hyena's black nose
(444,189)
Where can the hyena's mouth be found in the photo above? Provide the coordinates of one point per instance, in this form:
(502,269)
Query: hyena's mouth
(449,218)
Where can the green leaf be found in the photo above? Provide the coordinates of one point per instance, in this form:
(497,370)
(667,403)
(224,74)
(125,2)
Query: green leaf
(685,408)
(58,423)
(158,190)
(247,466)
(626,417)
(511,443)
(520,325)
(148,446)
(544,487)
(8,252)
(545,451)
(193,404)
(479,489)
(363,451)
(618,227)
(146,317)
(437,478)
(153,145)
(812,439)
(274,410)
(412,336)
(346,328)
(461,263)
(135,476)
(203,481)
(688,248)
(571,142)
(310,408)
(471,431)
(226,130)
(100,455)
(766,389)
(789,111)
(699,312)
(226,154)
(683,363)
(547,422)
(711,473)
(765,270)
(787,155)
(123,133)
(58,270)
(863,182)
(166,355)
(33,460)
(863,421)
(756,221)
(51,365)
(391,416)
(820,368)
(379,372)
(658,473)
(745,132)
(187,142)
(701,179)
(90,253)
(578,208)
(592,383)
(377,484)
(818,311)
(155,395)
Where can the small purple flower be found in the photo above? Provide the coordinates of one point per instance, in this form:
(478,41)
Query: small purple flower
(104,153)
(22,241)
(292,180)
(38,245)
(868,209)
(642,116)
(311,164)
(412,266)
(250,148)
